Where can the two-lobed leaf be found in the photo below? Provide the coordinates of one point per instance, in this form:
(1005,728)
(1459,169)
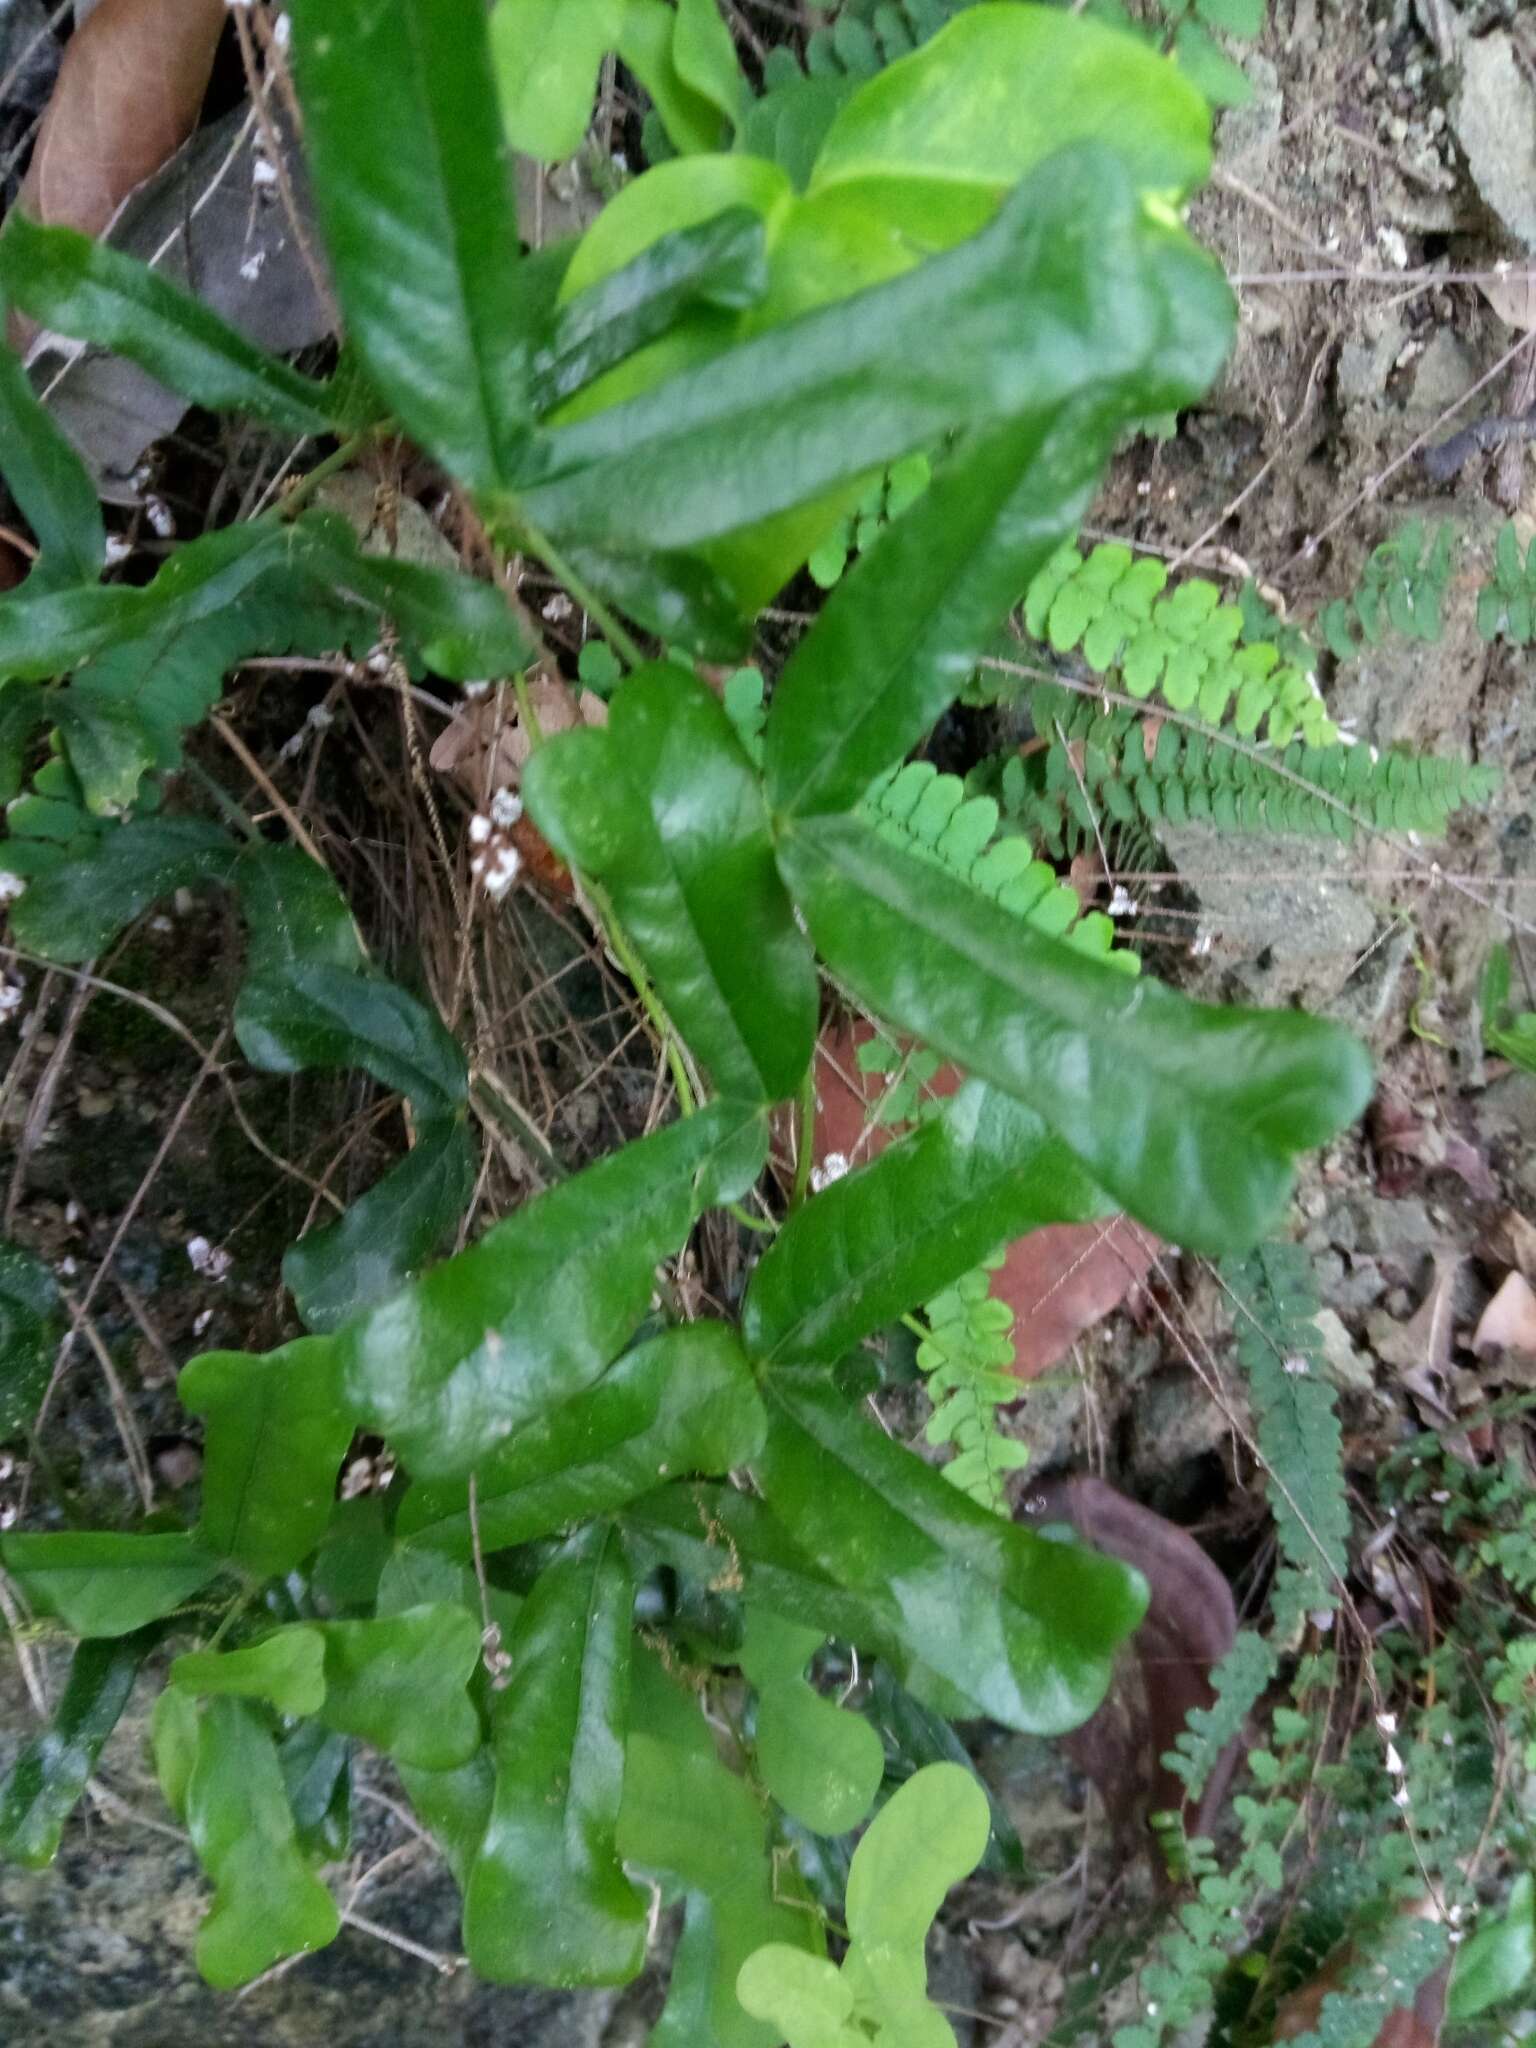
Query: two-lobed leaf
(315,1014)
(275,1430)
(679,1403)
(535,1311)
(399,1682)
(1188,1114)
(664,808)
(286,1667)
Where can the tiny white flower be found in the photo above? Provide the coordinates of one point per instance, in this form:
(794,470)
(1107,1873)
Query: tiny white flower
(1202,944)
(479,829)
(69,1267)
(160,517)
(211,1260)
(201,1321)
(250,269)
(118,549)
(282,31)
(558,607)
(477,688)
(1387,1723)
(1297,1366)
(504,873)
(1122,903)
(832,1168)
(1395,1765)
(11,886)
(12,995)
(263,173)
(1400,1798)
(8,1516)
(72,1214)
(506,808)
(378,661)
(320,716)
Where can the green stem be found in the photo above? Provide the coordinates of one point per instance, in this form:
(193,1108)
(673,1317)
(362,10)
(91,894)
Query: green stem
(750,1222)
(294,501)
(634,967)
(805,1144)
(618,637)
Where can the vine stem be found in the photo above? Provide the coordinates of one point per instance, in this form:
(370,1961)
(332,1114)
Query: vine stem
(294,501)
(618,636)
(806,1136)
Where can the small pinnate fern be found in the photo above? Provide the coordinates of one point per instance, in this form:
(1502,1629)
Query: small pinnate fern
(902,485)
(1183,645)
(965,1353)
(1403,590)
(1506,605)
(1119,767)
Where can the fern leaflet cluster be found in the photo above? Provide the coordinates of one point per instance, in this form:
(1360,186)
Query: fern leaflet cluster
(1402,589)
(901,485)
(1119,767)
(1506,605)
(930,815)
(1184,645)
(965,1355)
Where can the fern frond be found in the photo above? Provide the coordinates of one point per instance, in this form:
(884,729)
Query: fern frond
(1402,590)
(1183,645)
(1506,605)
(1124,768)
(1240,1680)
(965,1355)
(1281,1352)
(901,485)
(930,815)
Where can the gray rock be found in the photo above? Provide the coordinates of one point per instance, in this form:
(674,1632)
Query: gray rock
(1391,1230)
(1345,1366)
(1494,116)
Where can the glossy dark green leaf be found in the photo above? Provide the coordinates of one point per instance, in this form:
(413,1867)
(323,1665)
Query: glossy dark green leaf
(1025,307)
(399,1683)
(101,1584)
(286,1667)
(413,184)
(349,1563)
(662,806)
(50,484)
(683,1402)
(678,598)
(23,708)
(317,1015)
(30,1329)
(275,1430)
(388,1234)
(720,263)
(293,912)
(455,1808)
(534,1312)
(317,1773)
(109,749)
(91,292)
(268,1904)
(1024,1627)
(43,1786)
(547,1900)
(1188,1114)
(72,911)
(900,1230)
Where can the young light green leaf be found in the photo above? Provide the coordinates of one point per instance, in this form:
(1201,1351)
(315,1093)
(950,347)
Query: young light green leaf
(922,1843)
(399,1682)
(703,455)
(705,58)
(71,912)
(267,1903)
(648,48)
(317,1015)
(823,1765)
(534,1312)
(807,2000)
(1208,68)
(936,138)
(101,1584)
(683,1402)
(388,1234)
(664,808)
(50,484)
(175,1729)
(286,1667)
(900,1230)
(547,1900)
(275,1430)
(43,1786)
(30,1329)
(546,55)
(1188,1114)
(720,263)
(1498,1960)
(1024,1627)
(91,292)
(413,186)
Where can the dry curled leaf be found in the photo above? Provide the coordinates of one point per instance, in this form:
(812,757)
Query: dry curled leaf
(1508,1323)
(128,95)
(1189,1626)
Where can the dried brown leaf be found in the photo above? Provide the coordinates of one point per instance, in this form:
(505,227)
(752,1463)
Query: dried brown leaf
(1508,1323)
(1513,299)
(128,95)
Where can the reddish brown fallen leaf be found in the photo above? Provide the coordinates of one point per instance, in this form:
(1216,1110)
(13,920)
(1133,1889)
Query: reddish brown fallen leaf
(1059,1281)
(1189,1626)
(128,95)
(1508,1323)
